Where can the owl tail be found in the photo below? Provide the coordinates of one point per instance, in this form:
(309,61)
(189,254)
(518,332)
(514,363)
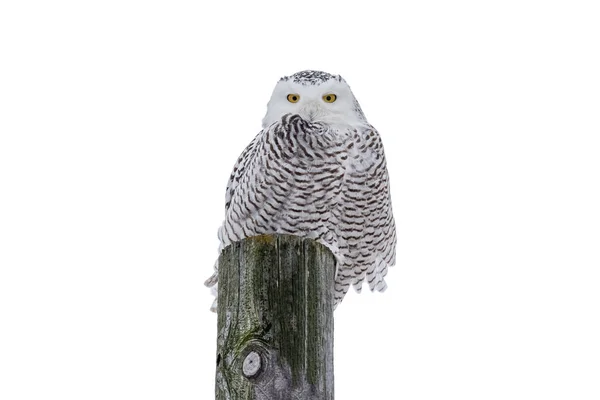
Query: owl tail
(213,283)
(214,305)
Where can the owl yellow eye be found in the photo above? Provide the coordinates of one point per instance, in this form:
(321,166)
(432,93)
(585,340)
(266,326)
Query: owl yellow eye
(329,98)
(293,98)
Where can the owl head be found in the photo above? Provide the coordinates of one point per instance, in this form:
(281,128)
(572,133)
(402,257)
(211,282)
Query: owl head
(317,97)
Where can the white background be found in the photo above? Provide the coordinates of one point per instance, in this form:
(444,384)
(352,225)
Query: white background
(120,122)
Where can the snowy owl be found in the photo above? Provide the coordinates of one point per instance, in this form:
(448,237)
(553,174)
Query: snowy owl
(317,169)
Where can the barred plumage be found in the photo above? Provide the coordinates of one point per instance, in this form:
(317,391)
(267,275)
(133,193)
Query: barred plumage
(319,172)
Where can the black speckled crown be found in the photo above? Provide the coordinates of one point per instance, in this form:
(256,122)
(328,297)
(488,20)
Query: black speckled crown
(309,77)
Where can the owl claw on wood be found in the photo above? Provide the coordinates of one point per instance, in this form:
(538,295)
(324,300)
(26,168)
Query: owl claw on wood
(317,169)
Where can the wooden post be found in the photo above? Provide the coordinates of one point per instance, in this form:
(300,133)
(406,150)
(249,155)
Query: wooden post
(275,320)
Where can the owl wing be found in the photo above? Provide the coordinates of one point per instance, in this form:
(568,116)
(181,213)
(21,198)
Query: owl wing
(366,222)
(239,169)
(381,227)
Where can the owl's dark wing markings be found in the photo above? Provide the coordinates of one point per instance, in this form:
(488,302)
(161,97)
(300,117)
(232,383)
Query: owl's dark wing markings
(239,169)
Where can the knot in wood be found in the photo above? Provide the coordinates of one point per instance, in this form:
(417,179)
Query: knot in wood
(252,364)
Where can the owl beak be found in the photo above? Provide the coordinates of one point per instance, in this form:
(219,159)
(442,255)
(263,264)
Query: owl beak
(311,111)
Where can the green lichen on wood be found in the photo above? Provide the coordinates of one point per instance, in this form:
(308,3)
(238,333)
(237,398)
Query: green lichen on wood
(276,299)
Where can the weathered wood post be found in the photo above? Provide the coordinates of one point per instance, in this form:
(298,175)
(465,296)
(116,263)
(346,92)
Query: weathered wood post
(275,320)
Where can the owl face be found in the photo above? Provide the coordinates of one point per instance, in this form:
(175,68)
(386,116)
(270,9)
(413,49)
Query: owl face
(315,96)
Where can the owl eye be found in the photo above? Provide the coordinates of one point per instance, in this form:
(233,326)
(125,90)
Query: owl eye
(293,98)
(329,98)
